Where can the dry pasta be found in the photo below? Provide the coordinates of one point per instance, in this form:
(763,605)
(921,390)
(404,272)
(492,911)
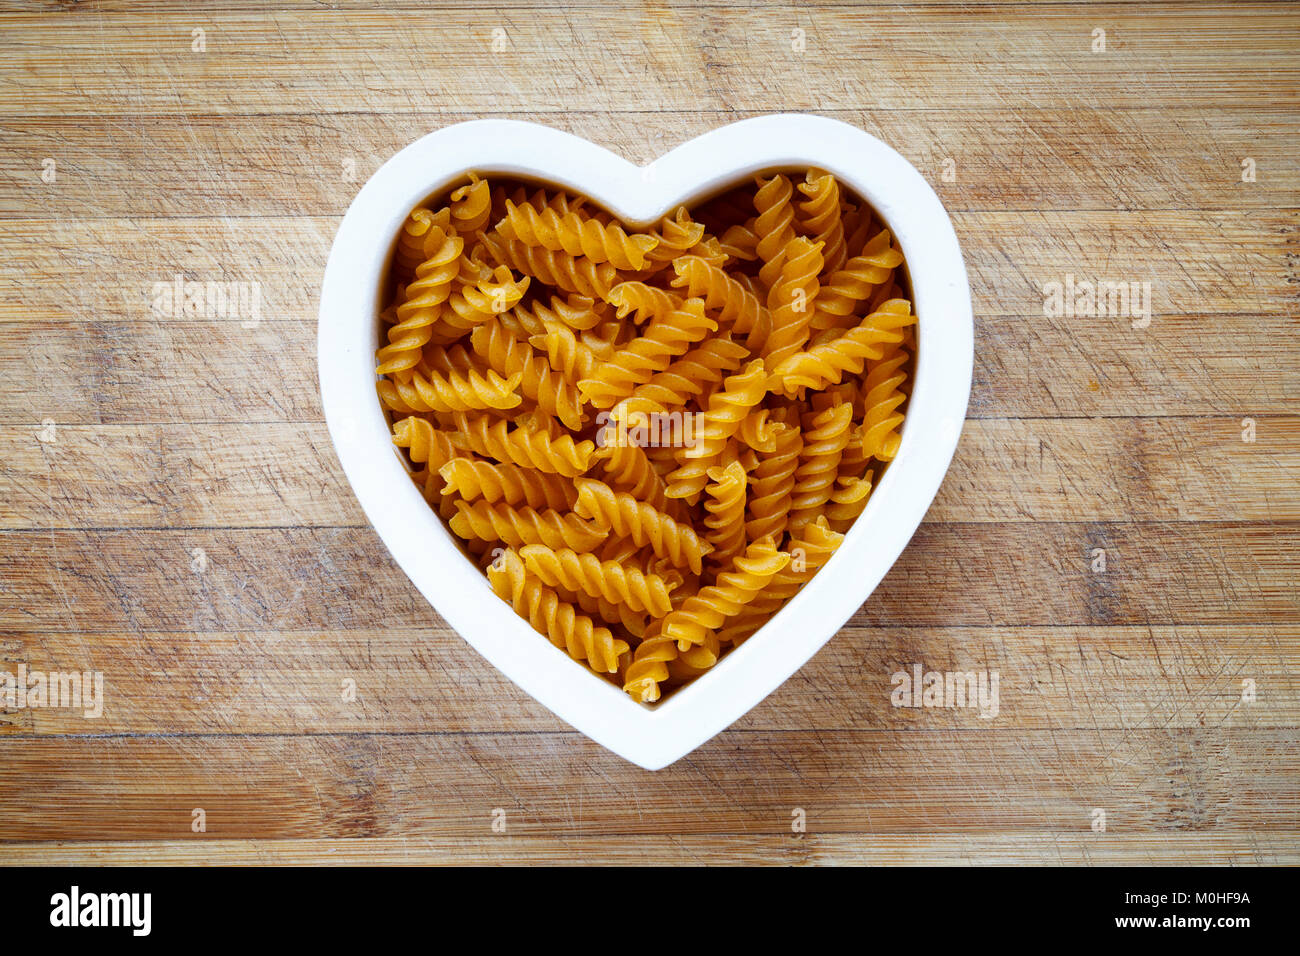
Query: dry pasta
(649,439)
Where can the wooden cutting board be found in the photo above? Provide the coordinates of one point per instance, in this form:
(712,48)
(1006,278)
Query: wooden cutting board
(1118,537)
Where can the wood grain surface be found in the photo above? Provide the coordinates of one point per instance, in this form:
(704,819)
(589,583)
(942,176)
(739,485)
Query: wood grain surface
(172,513)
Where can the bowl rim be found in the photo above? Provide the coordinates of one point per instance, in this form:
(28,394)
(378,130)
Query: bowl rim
(424,548)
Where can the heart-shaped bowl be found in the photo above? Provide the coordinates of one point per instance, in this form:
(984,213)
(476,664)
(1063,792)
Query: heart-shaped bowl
(651,736)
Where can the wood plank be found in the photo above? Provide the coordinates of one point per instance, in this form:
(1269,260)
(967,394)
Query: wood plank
(184,372)
(1039,159)
(737,849)
(324,785)
(1238,363)
(1040,573)
(1117,469)
(1183,57)
(1229,262)
(281,474)
(1101,679)
(132,260)
(1180,365)
(159,476)
(995,575)
(218,371)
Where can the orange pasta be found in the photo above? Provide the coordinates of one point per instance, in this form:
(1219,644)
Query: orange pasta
(648,436)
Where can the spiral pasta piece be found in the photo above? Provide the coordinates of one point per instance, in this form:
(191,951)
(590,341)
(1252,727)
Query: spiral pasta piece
(791,300)
(523,446)
(471,205)
(685,379)
(709,608)
(423,303)
(473,304)
(825,435)
(772,487)
(532,373)
(725,502)
(529,319)
(880,437)
(810,548)
(428,446)
(424,444)
(774,224)
(577,235)
(825,364)
(453,391)
(634,622)
(539,199)
(558,620)
(647,526)
(740,241)
(855,282)
(611,581)
(409,252)
(516,527)
(649,666)
(819,216)
(572,357)
(495,482)
(667,336)
(809,553)
(412,240)
(759,431)
(574,274)
(626,467)
(847,501)
(855,460)
(645,303)
(676,235)
(733,304)
(727,409)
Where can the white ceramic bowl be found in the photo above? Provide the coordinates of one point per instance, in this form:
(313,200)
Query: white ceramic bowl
(651,736)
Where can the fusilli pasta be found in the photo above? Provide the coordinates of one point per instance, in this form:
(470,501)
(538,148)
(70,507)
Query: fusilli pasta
(558,620)
(621,514)
(649,438)
(576,234)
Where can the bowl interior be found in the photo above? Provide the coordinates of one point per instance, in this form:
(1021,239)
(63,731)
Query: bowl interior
(385,289)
